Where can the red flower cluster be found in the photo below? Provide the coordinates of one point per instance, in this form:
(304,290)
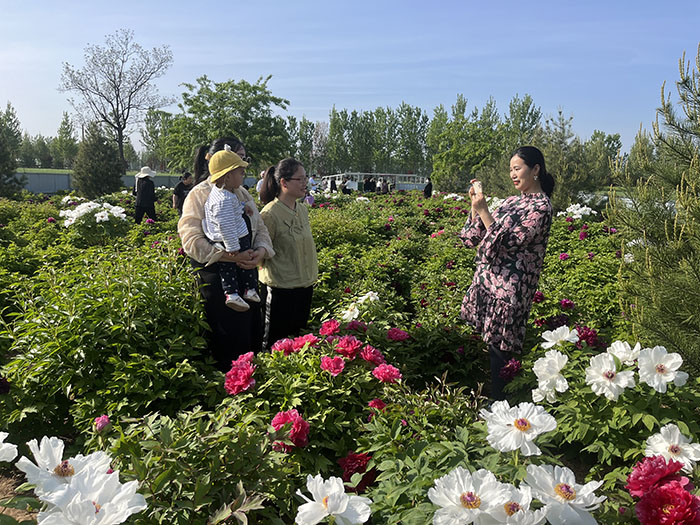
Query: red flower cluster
(333,365)
(357,464)
(387,373)
(371,354)
(356,326)
(240,377)
(652,472)
(284,345)
(394,334)
(589,336)
(299,342)
(348,345)
(330,327)
(298,433)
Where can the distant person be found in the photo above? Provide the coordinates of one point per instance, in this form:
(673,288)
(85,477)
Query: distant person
(385,186)
(367,184)
(145,192)
(313,184)
(259,184)
(428,189)
(181,190)
(309,199)
(334,186)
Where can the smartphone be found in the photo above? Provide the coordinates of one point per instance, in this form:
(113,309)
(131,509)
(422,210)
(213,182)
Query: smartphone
(476,184)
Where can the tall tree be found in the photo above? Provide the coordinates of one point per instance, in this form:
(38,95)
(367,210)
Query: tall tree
(642,156)
(386,133)
(65,146)
(98,167)
(9,123)
(115,86)
(337,146)
(43,152)
(27,154)
(411,151)
(154,137)
(10,182)
(320,148)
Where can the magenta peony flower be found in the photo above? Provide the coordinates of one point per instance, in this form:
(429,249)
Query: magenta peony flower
(299,342)
(180,251)
(590,256)
(394,334)
(298,433)
(240,377)
(377,404)
(510,370)
(332,365)
(330,327)
(51,220)
(150,221)
(102,423)
(349,346)
(669,504)
(582,235)
(372,355)
(589,336)
(563,256)
(651,473)
(567,304)
(538,297)
(284,345)
(387,373)
(569,219)
(357,464)
(357,326)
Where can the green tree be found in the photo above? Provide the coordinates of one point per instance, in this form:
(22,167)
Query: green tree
(411,147)
(115,86)
(642,156)
(98,166)
(386,143)
(302,137)
(10,126)
(660,223)
(10,183)
(320,148)
(210,110)
(599,152)
(360,141)
(337,145)
(27,154)
(42,151)
(65,146)
(154,137)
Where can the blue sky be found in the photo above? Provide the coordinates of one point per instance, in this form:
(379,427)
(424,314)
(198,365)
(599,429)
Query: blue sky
(601,62)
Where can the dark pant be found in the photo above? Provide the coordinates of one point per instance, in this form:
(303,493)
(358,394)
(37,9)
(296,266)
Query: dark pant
(232,333)
(148,210)
(498,359)
(235,279)
(287,312)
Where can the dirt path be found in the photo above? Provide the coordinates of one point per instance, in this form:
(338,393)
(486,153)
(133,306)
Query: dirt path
(8,483)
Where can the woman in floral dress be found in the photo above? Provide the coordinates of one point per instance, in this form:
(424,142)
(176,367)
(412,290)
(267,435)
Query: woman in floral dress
(512,243)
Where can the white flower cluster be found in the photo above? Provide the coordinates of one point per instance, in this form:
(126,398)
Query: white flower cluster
(101,211)
(77,490)
(513,428)
(673,445)
(70,198)
(604,375)
(330,500)
(353,311)
(577,211)
(362,199)
(465,497)
(453,196)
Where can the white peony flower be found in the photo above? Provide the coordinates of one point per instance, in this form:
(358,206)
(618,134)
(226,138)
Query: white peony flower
(51,472)
(657,368)
(512,428)
(102,216)
(8,451)
(516,509)
(623,351)
(362,199)
(577,211)
(453,196)
(671,444)
(369,296)
(604,379)
(466,498)
(566,502)
(559,336)
(330,500)
(549,378)
(352,312)
(628,258)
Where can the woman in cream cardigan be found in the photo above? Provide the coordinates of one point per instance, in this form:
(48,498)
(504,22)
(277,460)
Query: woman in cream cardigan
(232,333)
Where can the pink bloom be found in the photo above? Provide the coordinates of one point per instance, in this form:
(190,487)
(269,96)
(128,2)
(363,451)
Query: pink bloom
(180,251)
(330,327)
(333,365)
(651,473)
(613,230)
(387,373)
(539,297)
(299,342)
(669,504)
(377,404)
(563,256)
(570,227)
(348,345)
(567,304)
(371,354)
(590,256)
(50,220)
(356,326)
(394,334)
(150,221)
(298,433)
(284,345)
(102,423)
(240,377)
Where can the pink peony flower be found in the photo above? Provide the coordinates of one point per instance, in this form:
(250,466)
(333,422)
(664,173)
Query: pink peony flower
(582,235)
(298,433)
(394,334)
(651,473)
(102,423)
(563,256)
(51,220)
(333,365)
(372,355)
(348,345)
(567,304)
(330,327)
(284,345)
(150,221)
(299,342)
(240,377)
(387,373)
(357,464)
(669,504)
(356,326)
(377,404)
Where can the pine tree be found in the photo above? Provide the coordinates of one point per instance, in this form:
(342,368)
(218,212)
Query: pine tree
(65,147)
(98,167)
(10,141)
(661,226)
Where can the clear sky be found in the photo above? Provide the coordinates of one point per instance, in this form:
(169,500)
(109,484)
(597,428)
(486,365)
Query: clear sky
(603,62)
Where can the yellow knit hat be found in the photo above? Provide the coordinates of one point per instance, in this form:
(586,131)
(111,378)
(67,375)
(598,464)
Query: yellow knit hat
(224,161)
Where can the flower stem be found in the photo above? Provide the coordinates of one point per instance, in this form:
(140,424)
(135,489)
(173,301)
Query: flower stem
(516,454)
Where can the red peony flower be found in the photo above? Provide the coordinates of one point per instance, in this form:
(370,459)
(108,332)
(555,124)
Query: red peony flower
(510,370)
(371,354)
(240,377)
(377,404)
(669,504)
(298,433)
(299,342)
(394,334)
(348,345)
(539,297)
(356,326)
(387,373)
(582,235)
(563,256)
(285,345)
(334,365)
(652,472)
(357,464)
(330,327)
(567,304)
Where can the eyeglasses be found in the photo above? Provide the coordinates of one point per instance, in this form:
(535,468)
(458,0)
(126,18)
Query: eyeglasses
(246,159)
(304,179)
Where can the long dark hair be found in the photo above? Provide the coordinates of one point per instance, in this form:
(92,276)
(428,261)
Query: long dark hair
(271,187)
(531,157)
(201,164)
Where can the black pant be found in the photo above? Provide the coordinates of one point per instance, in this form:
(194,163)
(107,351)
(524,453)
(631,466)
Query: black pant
(235,279)
(148,210)
(498,360)
(287,312)
(232,333)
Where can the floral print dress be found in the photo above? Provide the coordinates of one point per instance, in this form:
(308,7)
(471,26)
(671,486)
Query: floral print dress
(508,264)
